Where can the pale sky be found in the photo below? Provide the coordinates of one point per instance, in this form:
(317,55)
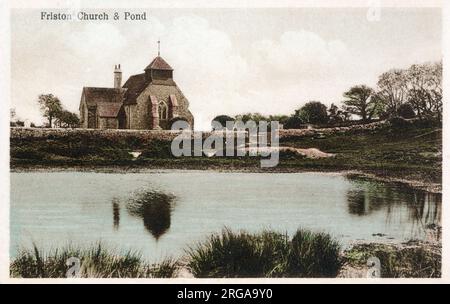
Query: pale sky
(226,61)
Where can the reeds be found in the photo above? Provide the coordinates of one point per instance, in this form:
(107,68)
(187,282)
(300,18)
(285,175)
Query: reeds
(267,254)
(94,262)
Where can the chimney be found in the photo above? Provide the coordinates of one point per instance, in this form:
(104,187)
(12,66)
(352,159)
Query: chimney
(117,77)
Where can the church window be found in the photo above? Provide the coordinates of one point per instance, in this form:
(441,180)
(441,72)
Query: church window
(163,110)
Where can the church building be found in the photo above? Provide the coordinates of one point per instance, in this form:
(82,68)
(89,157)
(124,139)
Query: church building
(147,101)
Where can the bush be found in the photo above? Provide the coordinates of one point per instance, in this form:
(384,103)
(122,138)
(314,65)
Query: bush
(399,122)
(27,153)
(313,255)
(95,262)
(222,119)
(267,254)
(406,111)
(294,122)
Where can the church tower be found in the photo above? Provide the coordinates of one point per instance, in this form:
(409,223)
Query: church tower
(158,69)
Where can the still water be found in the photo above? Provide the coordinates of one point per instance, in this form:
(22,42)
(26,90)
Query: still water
(58,208)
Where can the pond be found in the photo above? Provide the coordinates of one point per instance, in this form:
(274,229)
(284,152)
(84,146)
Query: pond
(57,208)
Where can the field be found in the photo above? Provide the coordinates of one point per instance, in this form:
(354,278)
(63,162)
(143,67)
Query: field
(412,153)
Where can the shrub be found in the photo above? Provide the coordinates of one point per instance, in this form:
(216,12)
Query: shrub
(267,254)
(313,255)
(399,123)
(27,153)
(95,262)
(293,122)
(222,119)
(406,111)
(158,149)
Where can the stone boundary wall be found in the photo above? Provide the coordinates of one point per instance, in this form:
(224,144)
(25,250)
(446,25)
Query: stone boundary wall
(167,135)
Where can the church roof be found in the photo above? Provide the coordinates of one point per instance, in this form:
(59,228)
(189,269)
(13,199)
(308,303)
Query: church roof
(94,95)
(137,83)
(159,64)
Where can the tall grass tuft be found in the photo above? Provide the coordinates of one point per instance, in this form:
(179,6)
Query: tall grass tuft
(313,255)
(95,262)
(266,254)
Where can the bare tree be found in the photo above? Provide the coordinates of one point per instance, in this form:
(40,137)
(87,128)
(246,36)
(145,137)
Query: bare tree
(392,90)
(424,85)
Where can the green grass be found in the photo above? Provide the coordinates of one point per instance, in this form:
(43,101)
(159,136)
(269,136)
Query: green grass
(413,152)
(407,262)
(267,254)
(96,261)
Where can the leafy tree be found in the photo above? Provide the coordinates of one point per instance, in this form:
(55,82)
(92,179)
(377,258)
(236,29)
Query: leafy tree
(282,119)
(67,119)
(313,112)
(50,107)
(256,117)
(361,100)
(335,114)
(222,119)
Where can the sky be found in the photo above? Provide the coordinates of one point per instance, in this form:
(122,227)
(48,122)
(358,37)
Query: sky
(226,61)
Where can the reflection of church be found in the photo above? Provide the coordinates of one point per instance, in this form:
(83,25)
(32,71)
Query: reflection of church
(150,100)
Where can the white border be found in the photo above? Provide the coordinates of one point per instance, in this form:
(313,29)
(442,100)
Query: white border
(5,7)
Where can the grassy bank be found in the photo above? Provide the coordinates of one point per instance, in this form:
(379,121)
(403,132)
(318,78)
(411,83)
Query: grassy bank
(240,255)
(412,152)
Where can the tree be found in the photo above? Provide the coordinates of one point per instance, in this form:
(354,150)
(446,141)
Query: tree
(392,91)
(66,119)
(256,117)
(282,119)
(222,119)
(50,106)
(361,100)
(424,88)
(335,114)
(293,122)
(313,112)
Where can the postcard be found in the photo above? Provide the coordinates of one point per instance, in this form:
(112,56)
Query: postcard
(236,142)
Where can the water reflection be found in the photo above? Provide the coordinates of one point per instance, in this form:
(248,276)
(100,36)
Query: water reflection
(154,208)
(116,213)
(366,197)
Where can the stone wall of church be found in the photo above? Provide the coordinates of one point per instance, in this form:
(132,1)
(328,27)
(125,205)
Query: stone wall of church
(108,123)
(141,113)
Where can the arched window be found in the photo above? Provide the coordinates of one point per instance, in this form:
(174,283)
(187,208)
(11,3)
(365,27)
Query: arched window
(163,110)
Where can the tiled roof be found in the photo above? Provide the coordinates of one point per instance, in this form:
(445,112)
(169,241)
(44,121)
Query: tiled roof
(95,95)
(159,64)
(135,85)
